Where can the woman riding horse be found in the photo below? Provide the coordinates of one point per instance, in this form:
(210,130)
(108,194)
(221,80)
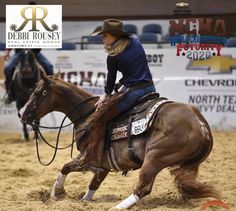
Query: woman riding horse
(125,54)
(180,139)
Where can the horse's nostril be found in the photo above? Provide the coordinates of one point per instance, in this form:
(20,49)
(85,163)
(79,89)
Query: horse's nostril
(21,111)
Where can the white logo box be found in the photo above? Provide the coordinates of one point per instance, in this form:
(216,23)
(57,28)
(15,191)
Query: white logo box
(33,26)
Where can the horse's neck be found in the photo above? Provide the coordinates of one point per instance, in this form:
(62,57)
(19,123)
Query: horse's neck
(72,103)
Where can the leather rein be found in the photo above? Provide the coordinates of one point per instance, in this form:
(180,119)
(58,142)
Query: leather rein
(36,127)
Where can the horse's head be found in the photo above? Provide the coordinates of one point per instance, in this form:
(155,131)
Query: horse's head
(42,101)
(28,64)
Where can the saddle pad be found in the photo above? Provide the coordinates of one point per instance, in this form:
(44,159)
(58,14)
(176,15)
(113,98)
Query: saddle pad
(142,119)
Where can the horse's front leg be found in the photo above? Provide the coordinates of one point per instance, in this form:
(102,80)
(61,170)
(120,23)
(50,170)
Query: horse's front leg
(94,184)
(58,190)
(25,132)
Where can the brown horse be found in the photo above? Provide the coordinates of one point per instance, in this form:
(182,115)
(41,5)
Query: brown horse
(180,138)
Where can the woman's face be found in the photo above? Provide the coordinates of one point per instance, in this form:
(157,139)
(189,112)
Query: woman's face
(108,39)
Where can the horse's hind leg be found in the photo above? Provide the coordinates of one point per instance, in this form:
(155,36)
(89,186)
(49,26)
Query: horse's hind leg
(147,176)
(94,184)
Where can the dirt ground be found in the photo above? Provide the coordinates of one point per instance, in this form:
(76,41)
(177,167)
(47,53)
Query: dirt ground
(25,184)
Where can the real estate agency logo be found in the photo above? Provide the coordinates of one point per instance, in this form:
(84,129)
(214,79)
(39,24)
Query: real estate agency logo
(198,38)
(33,26)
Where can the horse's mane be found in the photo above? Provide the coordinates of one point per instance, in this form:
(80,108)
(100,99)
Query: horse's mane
(83,93)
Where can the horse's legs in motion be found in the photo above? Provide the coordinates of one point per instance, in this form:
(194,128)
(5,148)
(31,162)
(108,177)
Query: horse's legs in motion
(147,176)
(94,184)
(58,186)
(74,166)
(25,132)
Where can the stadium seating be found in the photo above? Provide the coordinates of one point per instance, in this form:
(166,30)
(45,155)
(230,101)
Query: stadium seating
(91,42)
(231,42)
(153,28)
(2,46)
(94,39)
(131,28)
(67,46)
(149,40)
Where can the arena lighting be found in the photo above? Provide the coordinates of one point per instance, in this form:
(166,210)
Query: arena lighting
(182,4)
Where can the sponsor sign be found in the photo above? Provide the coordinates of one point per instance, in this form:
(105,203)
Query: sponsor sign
(210,85)
(33,26)
(198,38)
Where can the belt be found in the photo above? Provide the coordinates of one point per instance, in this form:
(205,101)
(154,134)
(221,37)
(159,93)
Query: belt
(140,85)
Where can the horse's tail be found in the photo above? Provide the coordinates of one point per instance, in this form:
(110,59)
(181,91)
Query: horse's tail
(186,173)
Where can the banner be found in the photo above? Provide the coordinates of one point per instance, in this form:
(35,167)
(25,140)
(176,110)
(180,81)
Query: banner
(209,84)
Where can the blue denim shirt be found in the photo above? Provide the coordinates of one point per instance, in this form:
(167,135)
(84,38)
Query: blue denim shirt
(131,62)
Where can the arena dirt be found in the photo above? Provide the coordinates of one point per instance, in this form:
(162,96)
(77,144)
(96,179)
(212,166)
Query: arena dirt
(25,184)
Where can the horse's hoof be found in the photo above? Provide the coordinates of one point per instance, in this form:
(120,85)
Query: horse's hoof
(114,209)
(57,194)
(85,200)
(24,138)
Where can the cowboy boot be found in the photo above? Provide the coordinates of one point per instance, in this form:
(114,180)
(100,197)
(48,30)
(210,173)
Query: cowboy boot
(96,145)
(94,153)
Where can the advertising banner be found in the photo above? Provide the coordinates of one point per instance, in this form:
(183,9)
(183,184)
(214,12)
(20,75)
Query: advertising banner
(209,84)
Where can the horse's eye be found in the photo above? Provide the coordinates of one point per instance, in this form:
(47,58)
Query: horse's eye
(44,92)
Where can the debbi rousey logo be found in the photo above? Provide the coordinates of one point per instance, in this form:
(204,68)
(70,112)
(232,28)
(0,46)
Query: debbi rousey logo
(33,26)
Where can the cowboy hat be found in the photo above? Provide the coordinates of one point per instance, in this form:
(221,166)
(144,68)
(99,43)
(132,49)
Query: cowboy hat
(111,26)
(96,31)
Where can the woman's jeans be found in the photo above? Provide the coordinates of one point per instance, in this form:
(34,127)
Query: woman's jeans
(131,97)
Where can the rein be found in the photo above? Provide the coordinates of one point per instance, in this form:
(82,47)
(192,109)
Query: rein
(36,128)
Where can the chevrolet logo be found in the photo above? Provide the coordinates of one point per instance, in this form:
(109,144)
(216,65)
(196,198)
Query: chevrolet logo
(63,57)
(216,64)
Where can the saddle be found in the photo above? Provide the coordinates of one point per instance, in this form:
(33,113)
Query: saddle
(131,123)
(139,118)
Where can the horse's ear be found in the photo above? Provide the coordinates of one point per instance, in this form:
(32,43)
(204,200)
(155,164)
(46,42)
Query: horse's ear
(43,76)
(57,75)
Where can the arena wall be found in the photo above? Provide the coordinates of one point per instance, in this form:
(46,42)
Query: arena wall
(210,85)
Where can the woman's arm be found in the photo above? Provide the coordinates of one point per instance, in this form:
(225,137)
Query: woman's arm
(111,75)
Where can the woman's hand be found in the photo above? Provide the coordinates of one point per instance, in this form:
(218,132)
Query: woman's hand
(101,100)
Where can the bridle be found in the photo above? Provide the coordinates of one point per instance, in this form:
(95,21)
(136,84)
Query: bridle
(36,127)
(28,62)
(40,99)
